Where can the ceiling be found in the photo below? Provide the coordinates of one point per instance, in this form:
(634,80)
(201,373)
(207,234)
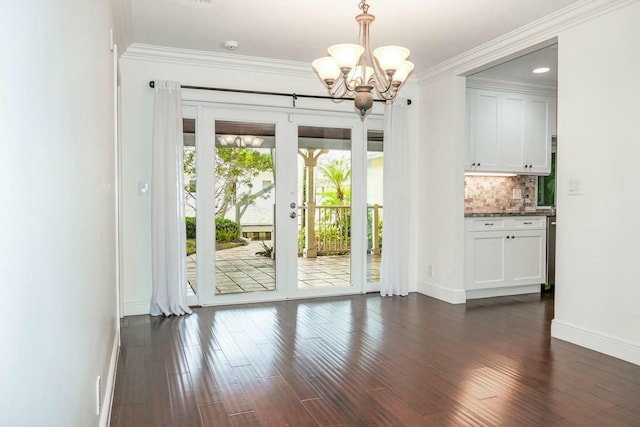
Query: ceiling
(434,30)
(521,69)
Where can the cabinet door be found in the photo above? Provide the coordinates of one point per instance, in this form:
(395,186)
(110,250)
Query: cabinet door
(469,149)
(485,130)
(513,132)
(540,121)
(526,257)
(485,259)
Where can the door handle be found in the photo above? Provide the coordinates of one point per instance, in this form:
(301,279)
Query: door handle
(292,214)
(293,205)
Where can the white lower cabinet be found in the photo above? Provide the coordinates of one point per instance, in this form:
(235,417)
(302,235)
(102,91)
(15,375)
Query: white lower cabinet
(504,255)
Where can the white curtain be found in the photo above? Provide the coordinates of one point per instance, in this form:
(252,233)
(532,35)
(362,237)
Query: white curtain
(394,267)
(168,237)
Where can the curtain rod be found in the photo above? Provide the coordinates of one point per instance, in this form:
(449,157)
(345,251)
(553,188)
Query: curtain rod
(295,96)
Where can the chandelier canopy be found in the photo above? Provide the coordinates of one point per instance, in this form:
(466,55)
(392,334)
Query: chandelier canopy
(354,69)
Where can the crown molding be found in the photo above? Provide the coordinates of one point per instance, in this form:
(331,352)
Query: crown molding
(232,62)
(510,86)
(145,52)
(530,37)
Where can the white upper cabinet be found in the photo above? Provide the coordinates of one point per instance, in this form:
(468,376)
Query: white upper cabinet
(539,129)
(509,132)
(483,130)
(512,137)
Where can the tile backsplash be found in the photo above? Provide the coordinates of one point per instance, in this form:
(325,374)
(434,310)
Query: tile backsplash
(494,194)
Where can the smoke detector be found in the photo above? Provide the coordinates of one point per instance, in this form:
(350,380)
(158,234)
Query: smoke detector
(195,3)
(231,45)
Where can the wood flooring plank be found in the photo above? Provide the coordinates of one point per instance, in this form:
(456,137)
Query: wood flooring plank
(367,361)
(214,415)
(183,402)
(245,419)
(324,413)
(390,410)
(129,415)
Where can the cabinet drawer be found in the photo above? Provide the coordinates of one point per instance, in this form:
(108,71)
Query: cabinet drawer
(524,223)
(485,224)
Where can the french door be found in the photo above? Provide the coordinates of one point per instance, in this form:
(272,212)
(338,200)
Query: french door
(277,203)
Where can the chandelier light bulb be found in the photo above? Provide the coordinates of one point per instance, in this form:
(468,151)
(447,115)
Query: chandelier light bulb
(403,71)
(240,140)
(391,57)
(326,68)
(346,55)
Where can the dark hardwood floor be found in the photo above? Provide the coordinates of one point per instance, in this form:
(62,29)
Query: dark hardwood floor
(364,361)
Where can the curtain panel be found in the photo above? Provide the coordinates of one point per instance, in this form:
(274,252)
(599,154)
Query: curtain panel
(168,234)
(394,268)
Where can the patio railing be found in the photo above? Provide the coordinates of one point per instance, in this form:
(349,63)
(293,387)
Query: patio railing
(328,230)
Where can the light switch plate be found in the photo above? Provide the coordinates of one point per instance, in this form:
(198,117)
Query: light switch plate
(575,186)
(143,188)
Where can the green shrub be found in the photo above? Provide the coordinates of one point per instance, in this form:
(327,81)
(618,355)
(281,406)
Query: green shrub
(227,229)
(191,246)
(267,250)
(191,227)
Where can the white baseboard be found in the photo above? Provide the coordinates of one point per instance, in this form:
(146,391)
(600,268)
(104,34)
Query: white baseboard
(502,292)
(596,341)
(443,294)
(105,416)
(135,308)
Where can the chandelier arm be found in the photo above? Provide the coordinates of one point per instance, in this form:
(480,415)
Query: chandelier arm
(338,90)
(387,95)
(350,84)
(381,82)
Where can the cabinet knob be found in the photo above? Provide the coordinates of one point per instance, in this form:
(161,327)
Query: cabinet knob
(478,164)
(513,237)
(508,237)
(473,164)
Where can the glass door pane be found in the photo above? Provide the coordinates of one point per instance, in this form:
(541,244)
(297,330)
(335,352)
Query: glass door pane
(190,202)
(375,170)
(245,189)
(324,195)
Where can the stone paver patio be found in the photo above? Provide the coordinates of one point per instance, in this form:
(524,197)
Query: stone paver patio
(241,270)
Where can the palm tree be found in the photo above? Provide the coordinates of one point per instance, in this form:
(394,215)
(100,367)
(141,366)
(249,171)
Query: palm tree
(337,173)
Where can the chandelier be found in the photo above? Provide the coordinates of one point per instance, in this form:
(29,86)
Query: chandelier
(240,140)
(353,69)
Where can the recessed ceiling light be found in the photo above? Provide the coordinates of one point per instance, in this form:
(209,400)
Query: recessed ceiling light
(541,70)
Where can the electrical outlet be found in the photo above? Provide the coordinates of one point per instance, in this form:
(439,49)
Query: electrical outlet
(517,193)
(98,395)
(430,270)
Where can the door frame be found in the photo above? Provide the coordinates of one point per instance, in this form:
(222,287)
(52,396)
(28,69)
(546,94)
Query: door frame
(206,111)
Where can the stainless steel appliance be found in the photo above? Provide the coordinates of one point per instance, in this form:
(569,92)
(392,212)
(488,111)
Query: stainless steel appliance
(551,252)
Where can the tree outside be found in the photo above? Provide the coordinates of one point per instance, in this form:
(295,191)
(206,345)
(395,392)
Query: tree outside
(236,169)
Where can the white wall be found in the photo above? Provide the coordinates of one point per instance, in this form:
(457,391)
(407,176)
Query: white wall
(598,289)
(139,65)
(57,235)
(440,192)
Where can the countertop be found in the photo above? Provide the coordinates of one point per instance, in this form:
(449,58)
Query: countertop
(539,212)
